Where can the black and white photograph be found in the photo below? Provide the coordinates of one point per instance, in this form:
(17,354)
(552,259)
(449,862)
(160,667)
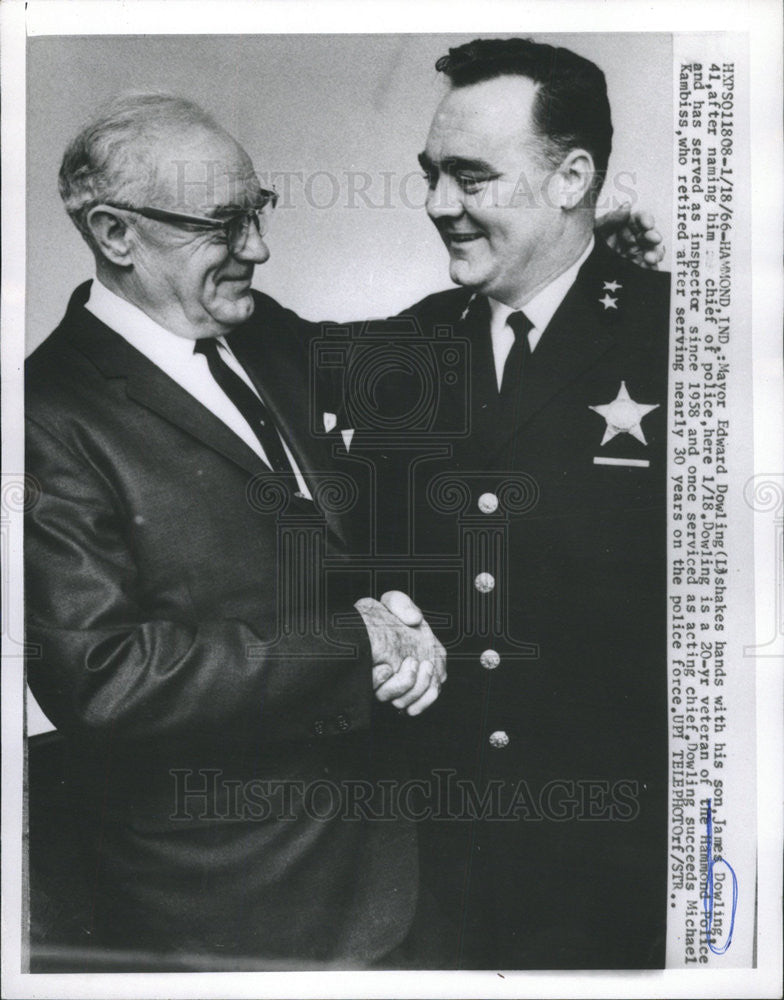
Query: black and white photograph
(392,579)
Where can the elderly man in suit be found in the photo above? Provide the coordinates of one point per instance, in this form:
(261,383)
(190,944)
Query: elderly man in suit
(538,524)
(186,585)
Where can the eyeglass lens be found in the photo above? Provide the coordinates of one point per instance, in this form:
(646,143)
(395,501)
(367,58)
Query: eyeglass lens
(239,227)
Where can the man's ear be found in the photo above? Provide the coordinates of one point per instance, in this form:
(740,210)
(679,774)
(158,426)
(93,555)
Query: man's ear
(111,234)
(574,179)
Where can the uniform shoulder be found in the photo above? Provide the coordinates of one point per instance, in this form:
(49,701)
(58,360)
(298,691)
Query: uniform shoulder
(651,281)
(274,331)
(271,313)
(440,305)
(656,280)
(621,284)
(649,290)
(266,309)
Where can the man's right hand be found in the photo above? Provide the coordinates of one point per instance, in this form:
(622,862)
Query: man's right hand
(409,663)
(633,235)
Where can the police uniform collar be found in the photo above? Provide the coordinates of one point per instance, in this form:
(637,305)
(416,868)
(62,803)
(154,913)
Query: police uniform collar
(541,308)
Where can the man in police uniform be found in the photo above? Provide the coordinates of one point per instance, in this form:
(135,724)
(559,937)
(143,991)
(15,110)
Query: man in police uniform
(544,522)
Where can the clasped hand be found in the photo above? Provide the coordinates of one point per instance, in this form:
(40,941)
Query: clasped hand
(409,663)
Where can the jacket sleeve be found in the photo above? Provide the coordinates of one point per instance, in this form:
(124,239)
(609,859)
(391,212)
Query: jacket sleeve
(109,663)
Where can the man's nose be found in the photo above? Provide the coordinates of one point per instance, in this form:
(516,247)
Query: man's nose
(444,198)
(255,249)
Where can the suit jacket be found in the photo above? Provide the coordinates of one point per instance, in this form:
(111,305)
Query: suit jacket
(540,552)
(183,605)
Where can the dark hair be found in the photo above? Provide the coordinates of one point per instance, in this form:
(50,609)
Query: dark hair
(570,108)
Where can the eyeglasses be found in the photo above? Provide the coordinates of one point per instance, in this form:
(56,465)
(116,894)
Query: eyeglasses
(236,227)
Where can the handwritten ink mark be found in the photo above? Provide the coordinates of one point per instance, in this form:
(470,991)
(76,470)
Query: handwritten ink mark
(709,889)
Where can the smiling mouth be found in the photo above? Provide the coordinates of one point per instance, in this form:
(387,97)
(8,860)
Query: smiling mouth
(235,288)
(459,238)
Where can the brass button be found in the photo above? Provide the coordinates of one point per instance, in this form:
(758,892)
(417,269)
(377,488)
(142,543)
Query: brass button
(499,739)
(490,659)
(484,582)
(488,503)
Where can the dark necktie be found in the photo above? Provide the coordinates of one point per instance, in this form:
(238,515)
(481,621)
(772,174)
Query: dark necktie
(249,405)
(519,352)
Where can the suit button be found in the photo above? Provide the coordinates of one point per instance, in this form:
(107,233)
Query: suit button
(490,659)
(318,727)
(343,723)
(488,503)
(499,739)
(484,583)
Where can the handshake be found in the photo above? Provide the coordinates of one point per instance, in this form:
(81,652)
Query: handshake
(409,663)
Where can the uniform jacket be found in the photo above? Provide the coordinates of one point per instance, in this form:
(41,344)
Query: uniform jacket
(184,606)
(539,553)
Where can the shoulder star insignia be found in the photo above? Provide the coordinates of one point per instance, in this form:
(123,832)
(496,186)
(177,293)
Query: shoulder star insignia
(612,286)
(608,302)
(623,415)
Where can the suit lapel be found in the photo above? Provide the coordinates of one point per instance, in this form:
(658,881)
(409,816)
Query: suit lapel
(577,336)
(273,356)
(573,342)
(159,393)
(148,386)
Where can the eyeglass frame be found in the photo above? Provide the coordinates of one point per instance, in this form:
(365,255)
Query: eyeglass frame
(205,222)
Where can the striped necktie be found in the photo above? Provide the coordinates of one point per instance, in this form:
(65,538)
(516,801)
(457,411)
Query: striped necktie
(250,406)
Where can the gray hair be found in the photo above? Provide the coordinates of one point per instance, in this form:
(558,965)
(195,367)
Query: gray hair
(112,158)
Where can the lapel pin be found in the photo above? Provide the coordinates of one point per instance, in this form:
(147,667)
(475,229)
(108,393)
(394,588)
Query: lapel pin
(609,302)
(464,313)
(611,286)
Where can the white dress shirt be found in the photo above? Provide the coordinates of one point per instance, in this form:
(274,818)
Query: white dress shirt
(540,310)
(174,356)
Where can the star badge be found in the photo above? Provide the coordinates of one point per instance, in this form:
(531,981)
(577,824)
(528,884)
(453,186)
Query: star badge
(608,302)
(611,286)
(623,415)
